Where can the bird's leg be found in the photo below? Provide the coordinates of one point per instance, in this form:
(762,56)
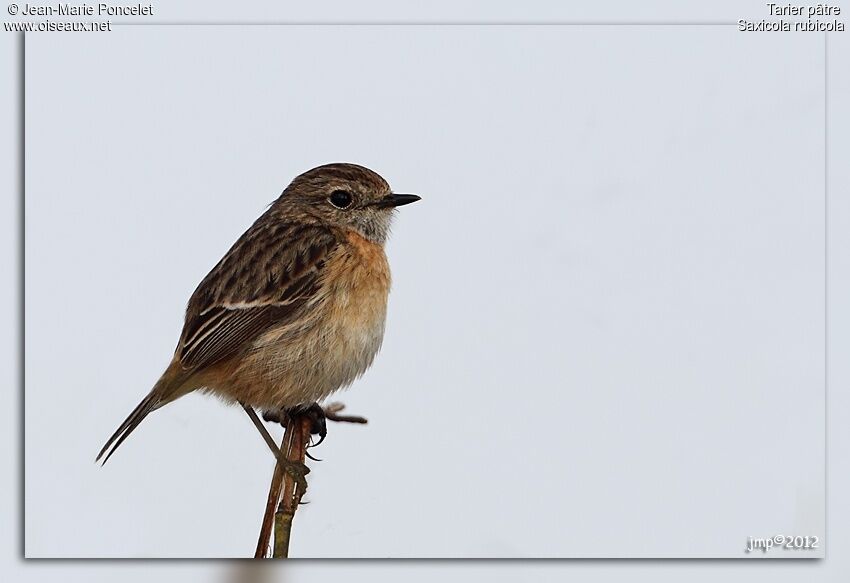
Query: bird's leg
(297,470)
(314,412)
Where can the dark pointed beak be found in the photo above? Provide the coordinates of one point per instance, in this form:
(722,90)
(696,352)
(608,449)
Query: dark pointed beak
(394,200)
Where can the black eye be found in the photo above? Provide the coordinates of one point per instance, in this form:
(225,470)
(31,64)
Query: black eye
(341,199)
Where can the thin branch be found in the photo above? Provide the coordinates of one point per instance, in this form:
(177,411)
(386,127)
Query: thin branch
(299,429)
(283,492)
(332,414)
(271,504)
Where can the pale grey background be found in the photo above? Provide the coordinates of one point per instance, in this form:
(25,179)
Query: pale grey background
(835,568)
(606,332)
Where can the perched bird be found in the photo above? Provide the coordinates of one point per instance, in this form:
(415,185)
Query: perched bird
(295,310)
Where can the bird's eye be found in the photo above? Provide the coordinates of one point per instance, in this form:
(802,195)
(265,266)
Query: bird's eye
(341,199)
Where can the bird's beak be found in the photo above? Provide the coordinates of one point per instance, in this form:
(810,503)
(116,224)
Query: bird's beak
(394,200)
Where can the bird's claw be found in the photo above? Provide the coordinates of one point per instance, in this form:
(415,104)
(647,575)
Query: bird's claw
(314,412)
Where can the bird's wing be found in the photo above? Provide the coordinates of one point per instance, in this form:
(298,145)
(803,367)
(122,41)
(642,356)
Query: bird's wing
(266,279)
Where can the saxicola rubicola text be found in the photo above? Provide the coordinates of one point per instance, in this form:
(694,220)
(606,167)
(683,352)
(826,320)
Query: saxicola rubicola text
(295,310)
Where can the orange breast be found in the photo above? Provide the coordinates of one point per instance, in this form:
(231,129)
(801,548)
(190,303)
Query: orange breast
(364,266)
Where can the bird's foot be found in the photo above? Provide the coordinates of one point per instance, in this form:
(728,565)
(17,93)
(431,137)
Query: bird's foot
(314,412)
(318,421)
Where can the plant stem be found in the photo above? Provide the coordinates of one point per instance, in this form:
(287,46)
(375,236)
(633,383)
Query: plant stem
(284,497)
(298,433)
(271,505)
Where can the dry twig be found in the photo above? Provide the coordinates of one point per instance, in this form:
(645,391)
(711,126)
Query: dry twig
(284,496)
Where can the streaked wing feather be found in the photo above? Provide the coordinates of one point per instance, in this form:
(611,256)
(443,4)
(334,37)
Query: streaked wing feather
(234,330)
(266,278)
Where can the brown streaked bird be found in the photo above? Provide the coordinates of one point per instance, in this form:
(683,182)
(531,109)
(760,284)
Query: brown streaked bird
(295,309)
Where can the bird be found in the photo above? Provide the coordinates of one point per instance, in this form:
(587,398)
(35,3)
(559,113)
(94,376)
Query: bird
(295,310)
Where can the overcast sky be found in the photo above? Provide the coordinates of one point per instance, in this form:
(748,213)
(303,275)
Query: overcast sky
(605,336)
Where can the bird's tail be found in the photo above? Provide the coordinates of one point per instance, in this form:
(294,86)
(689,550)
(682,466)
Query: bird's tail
(162,393)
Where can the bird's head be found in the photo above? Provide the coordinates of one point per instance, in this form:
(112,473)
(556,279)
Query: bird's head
(346,196)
